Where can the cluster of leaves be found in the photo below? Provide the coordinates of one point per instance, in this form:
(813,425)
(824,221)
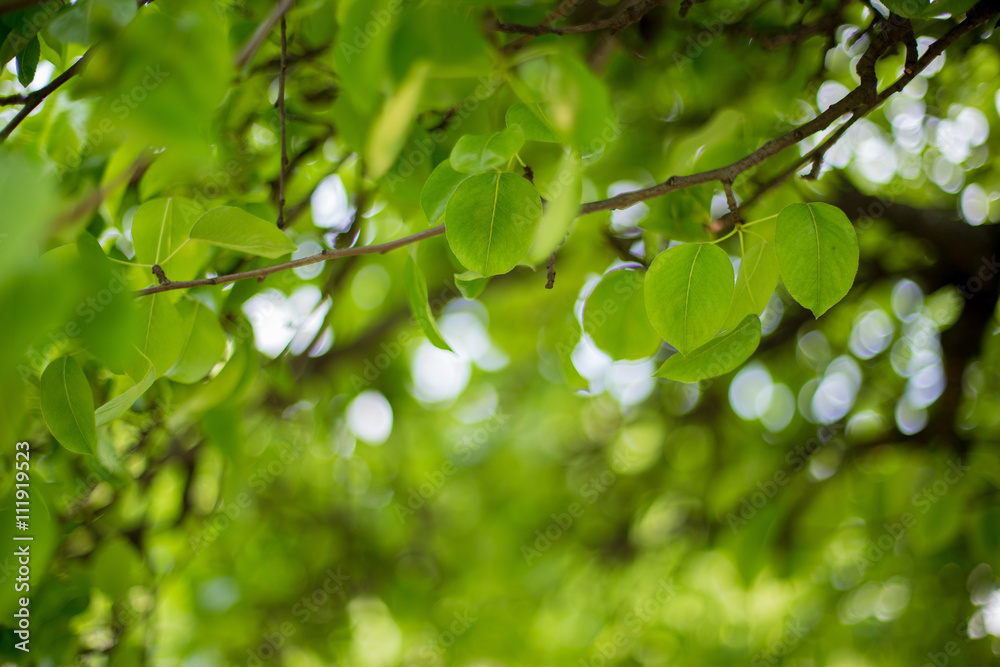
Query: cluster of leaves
(178,453)
(689,295)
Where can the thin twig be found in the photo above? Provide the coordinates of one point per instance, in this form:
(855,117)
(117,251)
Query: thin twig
(260,34)
(284,143)
(331,253)
(32,100)
(860,101)
(90,202)
(734,209)
(616,23)
(564,9)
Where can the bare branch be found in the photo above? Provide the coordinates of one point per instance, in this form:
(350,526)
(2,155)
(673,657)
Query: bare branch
(332,253)
(564,9)
(32,100)
(734,209)
(260,34)
(616,23)
(284,142)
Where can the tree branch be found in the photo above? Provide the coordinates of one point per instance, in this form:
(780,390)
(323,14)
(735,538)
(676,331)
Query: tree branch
(859,101)
(734,209)
(332,253)
(616,23)
(284,143)
(566,7)
(260,34)
(32,100)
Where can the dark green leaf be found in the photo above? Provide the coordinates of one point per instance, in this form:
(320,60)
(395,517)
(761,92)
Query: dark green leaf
(491,222)
(68,406)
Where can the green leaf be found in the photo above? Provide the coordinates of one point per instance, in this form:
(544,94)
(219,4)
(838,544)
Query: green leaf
(533,119)
(755,282)
(161,231)
(688,290)
(393,124)
(476,153)
(491,221)
(203,342)
(817,252)
(160,335)
(563,204)
(470,284)
(615,316)
(416,292)
(27,61)
(717,357)
(120,404)
(234,228)
(68,406)
(438,189)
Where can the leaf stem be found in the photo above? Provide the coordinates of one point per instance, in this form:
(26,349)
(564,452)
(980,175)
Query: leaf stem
(754,222)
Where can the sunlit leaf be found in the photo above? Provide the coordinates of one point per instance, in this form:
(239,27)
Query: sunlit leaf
(817,251)
(234,228)
(724,353)
(120,404)
(688,289)
(755,281)
(533,120)
(161,231)
(438,190)
(475,153)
